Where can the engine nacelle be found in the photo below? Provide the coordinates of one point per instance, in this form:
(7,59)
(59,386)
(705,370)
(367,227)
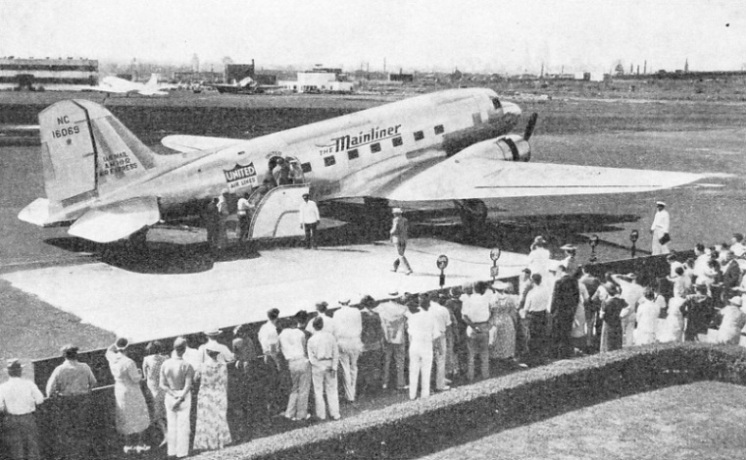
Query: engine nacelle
(507,148)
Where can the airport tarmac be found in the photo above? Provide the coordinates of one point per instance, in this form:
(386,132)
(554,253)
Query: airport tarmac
(149,306)
(708,211)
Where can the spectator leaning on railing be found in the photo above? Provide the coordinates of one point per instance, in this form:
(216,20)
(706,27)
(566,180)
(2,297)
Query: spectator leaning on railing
(18,400)
(70,386)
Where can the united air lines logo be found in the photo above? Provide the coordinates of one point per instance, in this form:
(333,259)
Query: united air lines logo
(241,176)
(350,141)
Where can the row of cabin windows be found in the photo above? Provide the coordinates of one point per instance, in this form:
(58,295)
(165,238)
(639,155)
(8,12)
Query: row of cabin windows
(374,148)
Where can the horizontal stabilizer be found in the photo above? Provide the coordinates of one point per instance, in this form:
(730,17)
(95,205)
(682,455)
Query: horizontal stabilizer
(188,144)
(36,213)
(117,221)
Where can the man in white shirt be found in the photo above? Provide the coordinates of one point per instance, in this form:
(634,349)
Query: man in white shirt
(442,318)
(393,321)
(660,228)
(226,355)
(244,216)
(476,314)
(270,343)
(700,261)
(309,220)
(293,348)
(18,400)
(537,310)
(422,333)
(348,329)
(323,354)
(322,308)
(224,212)
(736,245)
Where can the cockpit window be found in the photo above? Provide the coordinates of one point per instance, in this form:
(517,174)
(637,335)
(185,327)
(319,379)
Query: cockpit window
(496,103)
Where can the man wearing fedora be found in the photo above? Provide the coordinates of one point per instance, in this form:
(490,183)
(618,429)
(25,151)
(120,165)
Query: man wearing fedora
(398,232)
(309,220)
(18,400)
(660,228)
(70,387)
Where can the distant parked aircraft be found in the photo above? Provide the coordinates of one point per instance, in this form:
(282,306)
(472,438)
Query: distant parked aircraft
(450,146)
(246,86)
(116,85)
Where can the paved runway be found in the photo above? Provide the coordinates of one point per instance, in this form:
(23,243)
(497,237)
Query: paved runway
(148,306)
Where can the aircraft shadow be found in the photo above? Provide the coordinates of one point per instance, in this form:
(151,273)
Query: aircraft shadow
(364,226)
(160,257)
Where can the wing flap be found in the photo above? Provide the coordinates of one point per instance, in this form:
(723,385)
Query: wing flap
(479,177)
(188,144)
(117,221)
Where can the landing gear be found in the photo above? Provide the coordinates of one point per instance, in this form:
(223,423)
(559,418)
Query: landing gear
(137,243)
(473,215)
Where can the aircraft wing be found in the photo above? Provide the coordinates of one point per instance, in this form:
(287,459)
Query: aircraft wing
(117,221)
(479,176)
(188,144)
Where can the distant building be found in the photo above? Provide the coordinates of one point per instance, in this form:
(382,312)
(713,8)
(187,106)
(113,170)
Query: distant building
(238,72)
(402,77)
(320,80)
(50,74)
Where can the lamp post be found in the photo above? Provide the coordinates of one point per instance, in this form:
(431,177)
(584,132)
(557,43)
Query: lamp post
(593,242)
(495,254)
(442,263)
(634,235)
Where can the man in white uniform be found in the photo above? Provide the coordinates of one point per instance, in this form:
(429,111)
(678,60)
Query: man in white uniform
(309,220)
(422,333)
(442,318)
(660,228)
(348,329)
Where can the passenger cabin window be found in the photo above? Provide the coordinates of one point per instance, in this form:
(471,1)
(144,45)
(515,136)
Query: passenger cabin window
(352,154)
(329,161)
(439,129)
(496,103)
(306,167)
(397,141)
(419,135)
(375,148)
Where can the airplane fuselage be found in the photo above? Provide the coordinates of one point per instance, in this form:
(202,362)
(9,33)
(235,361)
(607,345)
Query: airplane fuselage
(354,155)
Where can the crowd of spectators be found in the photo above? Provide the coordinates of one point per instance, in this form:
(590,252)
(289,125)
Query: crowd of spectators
(202,396)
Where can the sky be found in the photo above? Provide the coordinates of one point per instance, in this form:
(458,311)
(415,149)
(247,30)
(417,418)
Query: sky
(505,36)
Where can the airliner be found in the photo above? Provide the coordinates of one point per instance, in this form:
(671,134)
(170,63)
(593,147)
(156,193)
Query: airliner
(118,85)
(453,146)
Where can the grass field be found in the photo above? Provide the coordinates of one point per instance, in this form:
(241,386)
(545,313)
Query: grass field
(698,421)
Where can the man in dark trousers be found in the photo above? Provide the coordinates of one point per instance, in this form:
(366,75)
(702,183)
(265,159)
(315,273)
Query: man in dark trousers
(564,304)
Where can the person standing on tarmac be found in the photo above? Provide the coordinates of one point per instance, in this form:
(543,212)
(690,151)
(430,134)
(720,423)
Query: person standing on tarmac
(398,234)
(660,228)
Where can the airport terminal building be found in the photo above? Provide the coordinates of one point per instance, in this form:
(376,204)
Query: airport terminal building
(47,74)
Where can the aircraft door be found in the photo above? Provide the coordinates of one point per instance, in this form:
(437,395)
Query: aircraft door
(285,170)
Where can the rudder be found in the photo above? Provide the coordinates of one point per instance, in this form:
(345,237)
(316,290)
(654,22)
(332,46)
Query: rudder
(86,152)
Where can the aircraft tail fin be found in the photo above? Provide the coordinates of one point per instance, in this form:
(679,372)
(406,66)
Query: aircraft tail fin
(87,152)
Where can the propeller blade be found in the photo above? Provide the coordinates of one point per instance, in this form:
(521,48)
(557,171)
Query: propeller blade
(530,125)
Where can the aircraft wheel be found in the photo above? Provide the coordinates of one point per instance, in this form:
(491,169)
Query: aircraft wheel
(473,212)
(138,241)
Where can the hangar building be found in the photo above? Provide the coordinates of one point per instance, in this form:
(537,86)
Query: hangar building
(47,74)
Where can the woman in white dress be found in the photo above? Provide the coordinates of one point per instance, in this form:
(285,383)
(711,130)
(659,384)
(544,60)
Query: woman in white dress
(647,319)
(673,326)
(733,320)
(131,411)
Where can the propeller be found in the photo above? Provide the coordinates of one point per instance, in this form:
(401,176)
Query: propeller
(530,125)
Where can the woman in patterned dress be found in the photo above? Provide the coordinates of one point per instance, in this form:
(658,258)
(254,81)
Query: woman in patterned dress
(131,411)
(212,430)
(151,369)
(502,308)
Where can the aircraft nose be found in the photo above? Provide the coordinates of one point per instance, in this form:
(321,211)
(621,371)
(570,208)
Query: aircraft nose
(510,108)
